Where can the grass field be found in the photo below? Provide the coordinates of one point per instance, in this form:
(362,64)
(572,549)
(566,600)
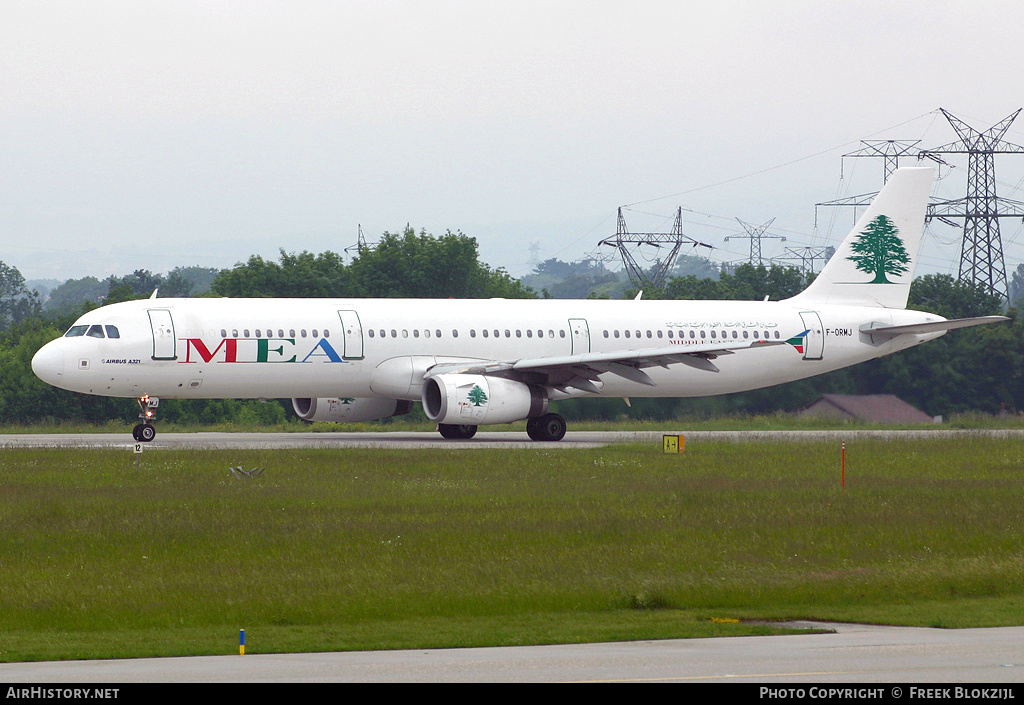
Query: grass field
(370,549)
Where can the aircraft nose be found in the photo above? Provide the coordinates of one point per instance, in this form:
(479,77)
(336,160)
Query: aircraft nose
(48,363)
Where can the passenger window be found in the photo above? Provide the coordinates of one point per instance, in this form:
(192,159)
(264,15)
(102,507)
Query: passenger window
(76,331)
(112,332)
(95,332)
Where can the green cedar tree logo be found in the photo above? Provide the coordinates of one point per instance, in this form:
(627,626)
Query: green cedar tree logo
(477,396)
(879,250)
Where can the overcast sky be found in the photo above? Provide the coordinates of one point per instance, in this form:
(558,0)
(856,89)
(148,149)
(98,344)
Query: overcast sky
(151,135)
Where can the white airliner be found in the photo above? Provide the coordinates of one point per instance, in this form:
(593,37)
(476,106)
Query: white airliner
(476,362)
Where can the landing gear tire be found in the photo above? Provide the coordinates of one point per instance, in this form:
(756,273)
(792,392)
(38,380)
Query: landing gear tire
(449,430)
(549,427)
(144,432)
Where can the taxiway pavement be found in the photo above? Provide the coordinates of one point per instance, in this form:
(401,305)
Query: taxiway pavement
(851,654)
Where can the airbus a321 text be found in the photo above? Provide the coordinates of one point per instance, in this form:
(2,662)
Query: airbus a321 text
(479,362)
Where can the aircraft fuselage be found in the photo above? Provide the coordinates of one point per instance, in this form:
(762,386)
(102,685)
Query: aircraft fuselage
(280,348)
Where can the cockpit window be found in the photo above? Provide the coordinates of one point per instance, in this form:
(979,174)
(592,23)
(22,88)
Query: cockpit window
(93,331)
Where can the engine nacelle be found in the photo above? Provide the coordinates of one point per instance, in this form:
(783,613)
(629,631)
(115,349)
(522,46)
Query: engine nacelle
(477,400)
(344,410)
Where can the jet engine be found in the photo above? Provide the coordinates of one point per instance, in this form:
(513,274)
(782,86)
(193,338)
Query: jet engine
(347,409)
(466,399)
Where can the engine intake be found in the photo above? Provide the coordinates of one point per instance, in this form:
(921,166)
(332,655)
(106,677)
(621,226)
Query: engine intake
(478,400)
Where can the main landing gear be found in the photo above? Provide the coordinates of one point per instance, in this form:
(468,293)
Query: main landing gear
(455,431)
(145,431)
(549,427)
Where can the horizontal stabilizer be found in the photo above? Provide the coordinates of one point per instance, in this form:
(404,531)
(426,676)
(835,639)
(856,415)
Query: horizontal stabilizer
(933,327)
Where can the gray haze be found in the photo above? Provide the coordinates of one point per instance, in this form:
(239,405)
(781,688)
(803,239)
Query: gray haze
(143,134)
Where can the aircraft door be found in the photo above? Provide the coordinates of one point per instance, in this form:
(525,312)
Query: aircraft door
(580,336)
(353,331)
(164,342)
(814,343)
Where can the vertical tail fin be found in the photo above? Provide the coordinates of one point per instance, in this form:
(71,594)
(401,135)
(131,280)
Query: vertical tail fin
(874,265)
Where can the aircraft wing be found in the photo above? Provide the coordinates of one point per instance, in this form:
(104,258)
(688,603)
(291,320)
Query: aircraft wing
(581,371)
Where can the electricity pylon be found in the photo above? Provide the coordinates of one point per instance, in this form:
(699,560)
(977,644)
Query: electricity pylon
(981,253)
(890,151)
(755,235)
(660,249)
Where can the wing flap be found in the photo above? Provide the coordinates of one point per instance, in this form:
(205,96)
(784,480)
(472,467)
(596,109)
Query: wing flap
(583,371)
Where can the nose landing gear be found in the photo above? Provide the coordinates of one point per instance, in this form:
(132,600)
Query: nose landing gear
(145,431)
